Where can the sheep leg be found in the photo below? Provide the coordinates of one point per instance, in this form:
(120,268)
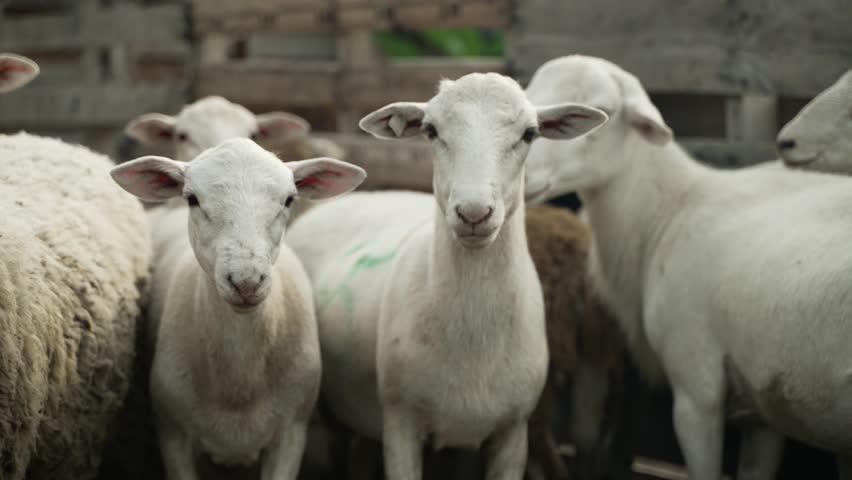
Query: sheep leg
(588,403)
(283,458)
(760,453)
(178,457)
(699,425)
(507,453)
(403,451)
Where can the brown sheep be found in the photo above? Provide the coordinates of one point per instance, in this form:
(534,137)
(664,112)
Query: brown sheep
(585,343)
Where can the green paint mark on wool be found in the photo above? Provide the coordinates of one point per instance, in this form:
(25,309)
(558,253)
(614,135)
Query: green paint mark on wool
(344,289)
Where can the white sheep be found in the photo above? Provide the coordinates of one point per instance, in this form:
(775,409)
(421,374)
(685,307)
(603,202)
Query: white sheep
(73,271)
(733,283)
(431,316)
(211,120)
(819,138)
(236,367)
(16,71)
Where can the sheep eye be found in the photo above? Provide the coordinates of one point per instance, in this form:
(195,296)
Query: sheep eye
(289,201)
(192,200)
(253,136)
(431,131)
(182,137)
(529,135)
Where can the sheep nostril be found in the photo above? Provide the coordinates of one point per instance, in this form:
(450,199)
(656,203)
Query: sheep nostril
(786,144)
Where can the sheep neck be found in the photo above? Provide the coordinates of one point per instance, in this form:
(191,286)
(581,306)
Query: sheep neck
(236,346)
(629,214)
(477,290)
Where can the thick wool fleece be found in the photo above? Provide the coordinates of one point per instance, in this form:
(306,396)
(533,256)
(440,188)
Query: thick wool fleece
(74,257)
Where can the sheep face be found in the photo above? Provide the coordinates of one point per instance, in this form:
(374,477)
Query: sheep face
(209,122)
(15,71)
(481,127)
(239,198)
(820,136)
(555,169)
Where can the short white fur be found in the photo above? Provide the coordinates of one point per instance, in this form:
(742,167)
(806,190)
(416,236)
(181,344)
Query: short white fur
(237,367)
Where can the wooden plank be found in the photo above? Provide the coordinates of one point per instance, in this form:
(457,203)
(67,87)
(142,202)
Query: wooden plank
(318,46)
(729,154)
(300,84)
(712,47)
(162,26)
(409,80)
(389,164)
(85,106)
(752,117)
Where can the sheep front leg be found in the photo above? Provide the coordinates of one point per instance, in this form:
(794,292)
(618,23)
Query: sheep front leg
(507,453)
(760,453)
(402,447)
(176,450)
(699,425)
(282,459)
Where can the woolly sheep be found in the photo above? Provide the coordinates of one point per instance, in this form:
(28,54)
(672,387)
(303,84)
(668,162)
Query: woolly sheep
(212,120)
(16,71)
(585,344)
(236,366)
(73,270)
(820,136)
(731,282)
(430,311)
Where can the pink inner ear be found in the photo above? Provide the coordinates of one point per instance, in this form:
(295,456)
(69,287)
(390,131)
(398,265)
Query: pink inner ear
(577,115)
(8,67)
(316,179)
(263,132)
(551,124)
(164,133)
(159,179)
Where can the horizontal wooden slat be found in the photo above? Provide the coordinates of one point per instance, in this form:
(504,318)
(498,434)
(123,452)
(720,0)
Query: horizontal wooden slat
(389,164)
(410,80)
(696,46)
(729,154)
(158,28)
(85,106)
(305,84)
(308,84)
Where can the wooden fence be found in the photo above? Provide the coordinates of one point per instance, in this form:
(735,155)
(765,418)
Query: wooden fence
(102,63)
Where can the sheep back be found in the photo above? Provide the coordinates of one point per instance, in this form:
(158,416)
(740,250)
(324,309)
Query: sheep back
(73,271)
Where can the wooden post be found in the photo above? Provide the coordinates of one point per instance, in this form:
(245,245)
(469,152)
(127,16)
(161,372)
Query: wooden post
(752,117)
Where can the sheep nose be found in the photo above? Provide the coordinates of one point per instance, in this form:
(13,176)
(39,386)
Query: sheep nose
(786,144)
(474,214)
(246,287)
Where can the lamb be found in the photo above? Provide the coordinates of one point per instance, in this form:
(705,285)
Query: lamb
(236,366)
(730,282)
(819,138)
(16,71)
(211,120)
(430,312)
(73,272)
(585,344)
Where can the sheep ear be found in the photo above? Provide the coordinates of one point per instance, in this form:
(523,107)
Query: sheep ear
(151,178)
(646,119)
(16,71)
(640,113)
(397,120)
(152,128)
(319,178)
(281,126)
(569,120)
